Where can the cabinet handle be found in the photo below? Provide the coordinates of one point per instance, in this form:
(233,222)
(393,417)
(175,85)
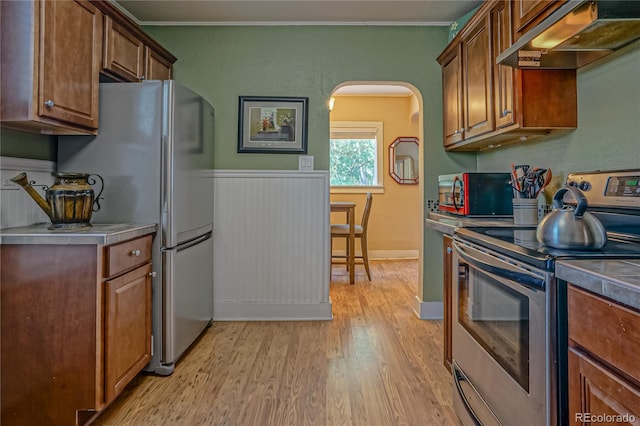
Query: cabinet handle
(135,252)
(506,111)
(49,103)
(457,132)
(152,274)
(141,77)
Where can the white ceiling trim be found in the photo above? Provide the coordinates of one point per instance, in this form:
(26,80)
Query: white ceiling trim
(287,23)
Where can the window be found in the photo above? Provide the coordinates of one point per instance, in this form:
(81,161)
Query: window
(355,156)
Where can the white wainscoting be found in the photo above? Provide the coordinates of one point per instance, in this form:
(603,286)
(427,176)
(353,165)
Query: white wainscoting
(16,206)
(271,245)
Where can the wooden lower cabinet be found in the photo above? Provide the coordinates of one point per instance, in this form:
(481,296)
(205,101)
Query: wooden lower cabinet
(603,367)
(71,336)
(127,324)
(447,248)
(596,392)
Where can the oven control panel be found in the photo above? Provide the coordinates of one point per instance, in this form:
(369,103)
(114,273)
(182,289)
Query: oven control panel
(609,188)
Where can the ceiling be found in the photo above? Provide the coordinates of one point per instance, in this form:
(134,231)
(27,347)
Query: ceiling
(296,12)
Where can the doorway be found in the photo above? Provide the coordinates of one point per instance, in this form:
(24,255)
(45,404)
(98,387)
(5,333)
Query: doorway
(395,225)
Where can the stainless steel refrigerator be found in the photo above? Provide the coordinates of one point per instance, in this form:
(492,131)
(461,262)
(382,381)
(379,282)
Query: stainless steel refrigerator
(153,150)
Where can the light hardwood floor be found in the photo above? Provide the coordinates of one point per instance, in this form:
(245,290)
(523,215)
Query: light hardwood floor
(374,364)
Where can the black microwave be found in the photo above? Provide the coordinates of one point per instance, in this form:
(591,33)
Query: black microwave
(476,194)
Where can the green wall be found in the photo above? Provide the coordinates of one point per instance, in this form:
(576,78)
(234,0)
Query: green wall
(27,145)
(225,62)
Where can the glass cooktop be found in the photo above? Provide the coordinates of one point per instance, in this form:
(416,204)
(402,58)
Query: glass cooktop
(521,244)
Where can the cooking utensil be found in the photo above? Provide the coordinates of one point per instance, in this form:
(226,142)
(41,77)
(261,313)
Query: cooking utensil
(571,228)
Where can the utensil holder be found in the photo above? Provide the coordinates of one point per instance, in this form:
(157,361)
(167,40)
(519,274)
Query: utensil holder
(525,211)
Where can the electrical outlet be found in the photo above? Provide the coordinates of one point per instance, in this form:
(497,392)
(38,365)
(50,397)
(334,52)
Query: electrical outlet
(7,184)
(305,162)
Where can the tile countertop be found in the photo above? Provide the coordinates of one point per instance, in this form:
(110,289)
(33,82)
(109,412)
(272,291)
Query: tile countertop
(618,280)
(99,234)
(447,223)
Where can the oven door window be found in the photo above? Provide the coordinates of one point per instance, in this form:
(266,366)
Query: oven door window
(498,319)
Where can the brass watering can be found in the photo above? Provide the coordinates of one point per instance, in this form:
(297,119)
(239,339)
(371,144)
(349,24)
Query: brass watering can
(69,202)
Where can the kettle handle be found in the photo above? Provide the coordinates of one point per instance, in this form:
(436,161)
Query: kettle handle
(98,197)
(578,195)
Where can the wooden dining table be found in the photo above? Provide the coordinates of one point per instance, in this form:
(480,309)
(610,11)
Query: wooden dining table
(349,208)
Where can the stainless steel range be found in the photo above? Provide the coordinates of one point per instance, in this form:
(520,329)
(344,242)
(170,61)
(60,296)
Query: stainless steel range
(509,311)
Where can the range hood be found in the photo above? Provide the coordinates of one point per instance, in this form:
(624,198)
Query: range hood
(578,33)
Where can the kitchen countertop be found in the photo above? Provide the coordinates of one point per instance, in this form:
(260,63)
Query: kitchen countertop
(447,223)
(99,234)
(617,280)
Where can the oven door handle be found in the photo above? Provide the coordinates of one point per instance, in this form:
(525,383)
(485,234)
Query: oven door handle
(457,378)
(530,281)
(489,418)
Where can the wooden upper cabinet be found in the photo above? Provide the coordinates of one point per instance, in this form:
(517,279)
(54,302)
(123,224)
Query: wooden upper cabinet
(476,77)
(497,104)
(130,54)
(59,95)
(123,53)
(452,97)
(504,76)
(158,66)
(528,13)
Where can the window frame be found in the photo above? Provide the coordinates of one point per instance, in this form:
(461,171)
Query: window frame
(378,187)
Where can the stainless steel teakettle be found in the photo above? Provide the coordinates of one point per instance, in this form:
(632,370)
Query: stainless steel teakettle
(571,228)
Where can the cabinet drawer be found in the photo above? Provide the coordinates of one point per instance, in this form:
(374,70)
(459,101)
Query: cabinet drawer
(609,331)
(124,256)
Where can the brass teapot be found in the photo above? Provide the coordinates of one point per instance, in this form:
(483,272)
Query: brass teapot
(69,201)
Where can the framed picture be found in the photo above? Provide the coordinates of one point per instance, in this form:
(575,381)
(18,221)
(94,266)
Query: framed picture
(272,124)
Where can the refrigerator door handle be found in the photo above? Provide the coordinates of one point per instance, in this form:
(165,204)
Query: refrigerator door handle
(192,243)
(167,193)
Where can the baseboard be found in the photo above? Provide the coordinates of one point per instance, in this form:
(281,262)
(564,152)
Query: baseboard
(248,311)
(428,310)
(384,254)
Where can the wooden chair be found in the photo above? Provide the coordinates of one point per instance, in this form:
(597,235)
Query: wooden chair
(342,231)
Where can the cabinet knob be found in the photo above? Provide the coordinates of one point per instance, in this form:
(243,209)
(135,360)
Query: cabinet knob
(141,77)
(135,252)
(449,250)
(152,274)
(457,132)
(49,103)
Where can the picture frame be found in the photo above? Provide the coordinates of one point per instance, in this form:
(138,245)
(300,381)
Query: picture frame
(276,125)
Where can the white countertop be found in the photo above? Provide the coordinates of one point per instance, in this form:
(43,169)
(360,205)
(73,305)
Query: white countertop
(99,234)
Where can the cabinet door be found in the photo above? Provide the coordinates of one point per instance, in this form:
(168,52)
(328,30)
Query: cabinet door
(452,98)
(503,76)
(158,68)
(594,390)
(123,55)
(127,328)
(69,70)
(527,13)
(447,247)
(477,90)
